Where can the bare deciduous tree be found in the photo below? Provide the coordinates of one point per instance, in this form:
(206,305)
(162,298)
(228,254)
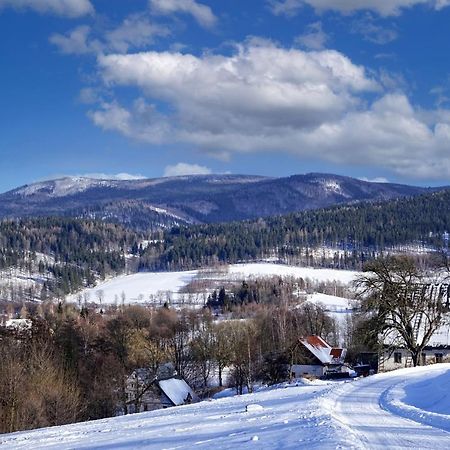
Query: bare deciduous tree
(404,305)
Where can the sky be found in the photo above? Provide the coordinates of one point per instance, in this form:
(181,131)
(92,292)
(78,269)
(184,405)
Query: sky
(150,88)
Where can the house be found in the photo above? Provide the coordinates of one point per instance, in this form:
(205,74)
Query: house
(437,350)
(147,390)
(317,358)
(398,358)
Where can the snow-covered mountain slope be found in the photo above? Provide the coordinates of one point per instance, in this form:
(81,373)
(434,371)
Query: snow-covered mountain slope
(201,198)
(62,187)
(312,415)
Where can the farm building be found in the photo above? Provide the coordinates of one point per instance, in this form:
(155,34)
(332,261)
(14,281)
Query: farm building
(315,357)
(147,391)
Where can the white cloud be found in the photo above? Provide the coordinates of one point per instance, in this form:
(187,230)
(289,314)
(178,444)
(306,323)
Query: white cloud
(382,7)
(441,94)
(374,180)
(75,42)
(265,98)
(200,12)
(260,84)
(89,96)
(66,8)
(314,38)
(442,4)
(181,169)
(135,32)
(141,122)
(372,31)
(122,176)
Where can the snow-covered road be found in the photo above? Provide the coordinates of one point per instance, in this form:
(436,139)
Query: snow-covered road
(373,411)
(405,409)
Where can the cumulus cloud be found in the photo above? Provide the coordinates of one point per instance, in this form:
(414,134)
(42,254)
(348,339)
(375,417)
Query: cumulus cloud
(181,169)
(314,38)
(203,14)
(382,7)
(141,122)
(66,8)
(75,42)
(260,85)
(135,32)
(312,104)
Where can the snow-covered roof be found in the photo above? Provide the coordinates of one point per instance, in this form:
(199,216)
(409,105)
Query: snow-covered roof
(323,351)
(177,390)
(19,324)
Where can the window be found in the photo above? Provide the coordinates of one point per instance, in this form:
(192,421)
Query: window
(397,357)
(438,357)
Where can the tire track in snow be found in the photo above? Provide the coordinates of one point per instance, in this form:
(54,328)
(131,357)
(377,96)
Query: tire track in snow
(359,407)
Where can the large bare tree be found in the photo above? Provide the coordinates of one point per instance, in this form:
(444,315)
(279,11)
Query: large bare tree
(404,304)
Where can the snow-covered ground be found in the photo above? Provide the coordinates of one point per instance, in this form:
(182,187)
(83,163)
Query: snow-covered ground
(267,269)
(394,410)
(137,288)
(147,286)
(339,308)
(331,302)
(399,409)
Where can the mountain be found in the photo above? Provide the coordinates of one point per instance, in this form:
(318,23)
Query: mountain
(192,199)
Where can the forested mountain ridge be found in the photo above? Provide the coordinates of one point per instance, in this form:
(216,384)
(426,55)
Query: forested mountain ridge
(167,202)
(358,230)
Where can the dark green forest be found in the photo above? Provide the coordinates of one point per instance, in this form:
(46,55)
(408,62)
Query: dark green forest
(361,230)
(69,253)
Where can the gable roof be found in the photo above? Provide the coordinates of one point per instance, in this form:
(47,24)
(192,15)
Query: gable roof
(177,390)
(323,351)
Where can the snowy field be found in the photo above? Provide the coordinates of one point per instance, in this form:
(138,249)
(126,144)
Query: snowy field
(337,307)
(408,408)
(138,288)
(150,286)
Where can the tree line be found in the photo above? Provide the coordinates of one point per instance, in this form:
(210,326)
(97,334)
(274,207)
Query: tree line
(358,232)
(71,254)
(67,253)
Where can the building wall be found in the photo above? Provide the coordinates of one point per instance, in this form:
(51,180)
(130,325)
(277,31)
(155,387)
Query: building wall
(398,359)
(300,370)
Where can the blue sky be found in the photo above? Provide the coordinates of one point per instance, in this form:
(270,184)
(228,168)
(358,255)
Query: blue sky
(271,87)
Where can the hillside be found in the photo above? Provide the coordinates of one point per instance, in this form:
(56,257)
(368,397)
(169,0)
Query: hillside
(166,202)
(381,411)
(353,233)
(59,255)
